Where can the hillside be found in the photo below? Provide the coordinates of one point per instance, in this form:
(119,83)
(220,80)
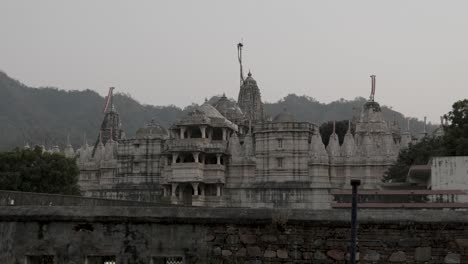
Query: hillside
(46,115)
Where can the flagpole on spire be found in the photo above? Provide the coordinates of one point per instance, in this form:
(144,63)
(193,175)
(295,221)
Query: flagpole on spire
(109,100)
(239,56)
(373,88)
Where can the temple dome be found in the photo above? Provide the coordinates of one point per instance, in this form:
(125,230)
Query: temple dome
(207,114)
(250,79)
(229,109)
(283,117)
(210,111)
(152,130)
(372,105)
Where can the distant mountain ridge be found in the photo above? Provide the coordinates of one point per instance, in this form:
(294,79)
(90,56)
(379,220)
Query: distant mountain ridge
(47,115)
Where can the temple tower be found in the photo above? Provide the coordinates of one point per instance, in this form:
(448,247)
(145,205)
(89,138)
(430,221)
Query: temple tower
(249,99)
(110,126)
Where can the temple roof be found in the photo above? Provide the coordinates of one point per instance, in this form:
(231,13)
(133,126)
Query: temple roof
(206,114)
(151,130)
(229,109)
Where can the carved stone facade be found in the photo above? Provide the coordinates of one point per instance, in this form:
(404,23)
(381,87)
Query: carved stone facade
(227,154)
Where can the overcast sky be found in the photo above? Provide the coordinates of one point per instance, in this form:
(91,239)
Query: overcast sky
(178,52)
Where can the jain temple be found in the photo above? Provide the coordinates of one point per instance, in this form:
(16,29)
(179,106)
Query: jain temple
(228,154)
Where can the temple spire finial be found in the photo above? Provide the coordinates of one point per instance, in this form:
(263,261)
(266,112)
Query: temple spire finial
(373,88)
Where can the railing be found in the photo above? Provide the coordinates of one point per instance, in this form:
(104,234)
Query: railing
(286,125)
(402,199)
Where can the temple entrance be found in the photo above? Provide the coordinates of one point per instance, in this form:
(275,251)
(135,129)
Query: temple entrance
(187,195)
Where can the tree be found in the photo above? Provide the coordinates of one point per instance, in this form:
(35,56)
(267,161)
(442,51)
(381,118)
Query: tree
(417,154)
(454,142)
(326,129)
(34,171)
(456,133)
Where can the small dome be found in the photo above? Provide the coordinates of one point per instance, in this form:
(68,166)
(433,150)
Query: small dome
(372,105)
(250,79)
(209,111)
(151,130)
(283,117)
(229,109)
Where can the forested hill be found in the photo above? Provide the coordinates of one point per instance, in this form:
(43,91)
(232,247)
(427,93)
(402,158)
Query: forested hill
(46,115)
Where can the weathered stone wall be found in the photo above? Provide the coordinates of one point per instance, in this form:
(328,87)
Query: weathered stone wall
(12,198)
(449,173)
(218,235)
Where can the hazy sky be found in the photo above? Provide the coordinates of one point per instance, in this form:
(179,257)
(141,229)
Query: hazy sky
(178,52)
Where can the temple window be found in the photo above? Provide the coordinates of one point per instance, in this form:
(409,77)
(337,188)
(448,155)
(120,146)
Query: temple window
(279,162)
(280,143)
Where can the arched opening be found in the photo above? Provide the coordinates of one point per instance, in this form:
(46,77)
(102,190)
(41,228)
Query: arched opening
(188,158)
(187,194)
(195,132)
(211,159)
(217,133)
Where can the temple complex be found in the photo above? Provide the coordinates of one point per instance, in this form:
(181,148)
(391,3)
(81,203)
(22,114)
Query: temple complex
(228,154)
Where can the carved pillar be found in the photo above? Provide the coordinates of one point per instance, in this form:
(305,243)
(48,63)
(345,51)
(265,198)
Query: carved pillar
(218,159)
(182,131)
(174,158)
(218,190)
(202,189)
(164,191)
(203,131)
(174,187)
(195,156)
(195,188)
(210,133)
(224,134)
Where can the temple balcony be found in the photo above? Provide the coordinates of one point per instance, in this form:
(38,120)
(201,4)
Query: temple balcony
(214,173)
(194,172)
(197,144)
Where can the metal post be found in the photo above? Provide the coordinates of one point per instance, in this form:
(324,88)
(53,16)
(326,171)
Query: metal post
(354,184)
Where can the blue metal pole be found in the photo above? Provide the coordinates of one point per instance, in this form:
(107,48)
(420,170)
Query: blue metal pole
(354,184)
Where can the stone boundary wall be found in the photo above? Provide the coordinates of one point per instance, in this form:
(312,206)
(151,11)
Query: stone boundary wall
(230,235)
(14,198)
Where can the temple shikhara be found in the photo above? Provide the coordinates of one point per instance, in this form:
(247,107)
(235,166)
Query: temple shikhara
(230,154)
